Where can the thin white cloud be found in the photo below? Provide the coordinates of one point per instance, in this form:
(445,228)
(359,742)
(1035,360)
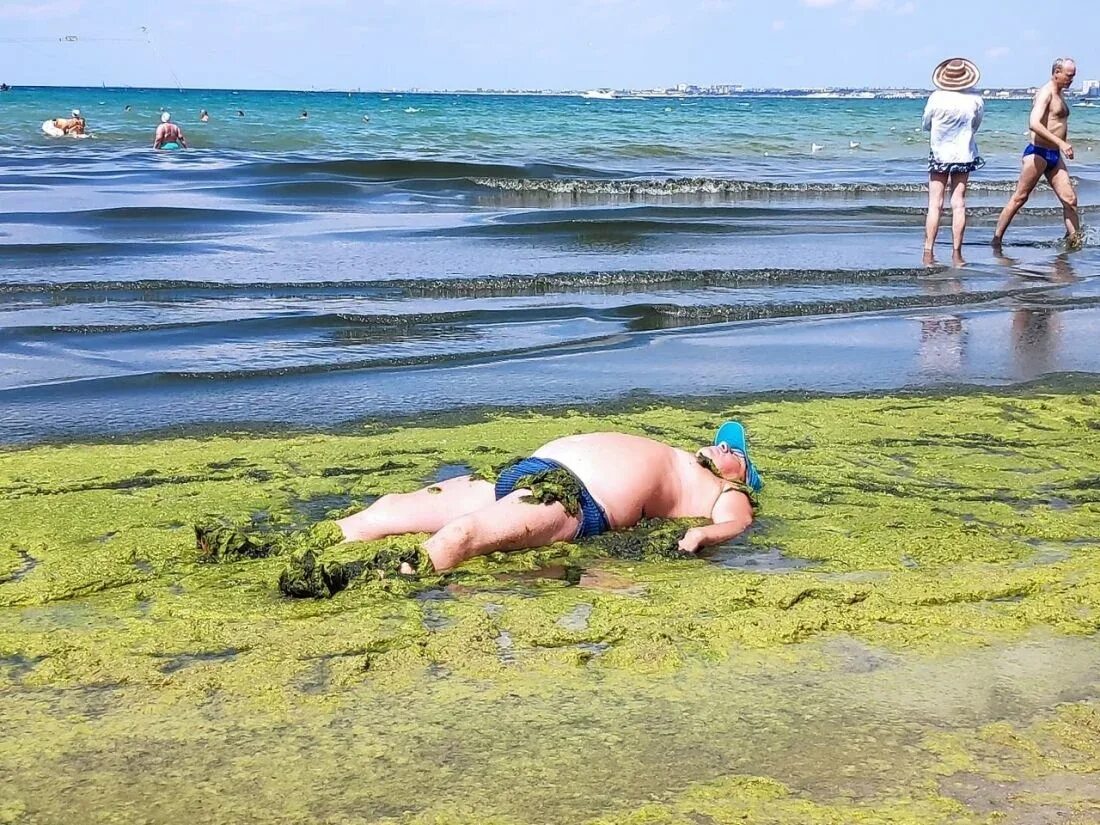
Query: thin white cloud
(779,25)
(997,52)
(39,11)
(857,7)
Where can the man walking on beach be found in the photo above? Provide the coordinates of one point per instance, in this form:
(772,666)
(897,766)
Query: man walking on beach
(572,488)
(169,135)
(1047,153)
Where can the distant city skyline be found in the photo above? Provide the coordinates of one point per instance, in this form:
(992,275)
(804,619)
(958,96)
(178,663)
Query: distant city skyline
(499,44)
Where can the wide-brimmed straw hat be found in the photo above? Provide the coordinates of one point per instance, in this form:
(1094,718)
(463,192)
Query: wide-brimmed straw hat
(956,74)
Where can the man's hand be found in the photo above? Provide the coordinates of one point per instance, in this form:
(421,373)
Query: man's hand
(1067,149)
(692,541)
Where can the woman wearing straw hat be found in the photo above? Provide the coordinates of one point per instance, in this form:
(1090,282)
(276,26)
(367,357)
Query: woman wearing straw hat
(953,115)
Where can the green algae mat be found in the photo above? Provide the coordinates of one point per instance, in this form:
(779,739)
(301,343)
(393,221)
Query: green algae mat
(907,635)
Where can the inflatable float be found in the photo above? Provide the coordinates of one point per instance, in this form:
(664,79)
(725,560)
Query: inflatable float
(51,129)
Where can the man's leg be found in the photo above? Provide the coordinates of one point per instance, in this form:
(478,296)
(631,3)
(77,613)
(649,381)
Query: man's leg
(424,511)
(958,209)
(507,524)
(937,181)
(1033,168)
(1063,187)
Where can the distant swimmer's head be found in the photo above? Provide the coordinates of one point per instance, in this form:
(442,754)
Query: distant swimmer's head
(956,74)
(76,113)
(165,117)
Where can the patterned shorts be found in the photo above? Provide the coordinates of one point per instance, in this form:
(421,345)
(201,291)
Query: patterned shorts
(953,168)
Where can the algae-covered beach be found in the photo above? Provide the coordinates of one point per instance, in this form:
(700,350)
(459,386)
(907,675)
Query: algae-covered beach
(906,635)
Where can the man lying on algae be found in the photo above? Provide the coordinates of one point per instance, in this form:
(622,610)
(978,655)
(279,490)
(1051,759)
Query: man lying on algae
(572,488)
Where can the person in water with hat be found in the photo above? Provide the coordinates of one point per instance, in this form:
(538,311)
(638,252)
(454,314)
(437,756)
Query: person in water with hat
(169,135)
(952,116)
(572,488)
(1047,153)
(74,125)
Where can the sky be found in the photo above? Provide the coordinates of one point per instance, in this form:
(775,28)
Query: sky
(547,44)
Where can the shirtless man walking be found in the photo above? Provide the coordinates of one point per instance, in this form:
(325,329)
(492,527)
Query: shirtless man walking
(169,135)
(1047,153)
(615,479)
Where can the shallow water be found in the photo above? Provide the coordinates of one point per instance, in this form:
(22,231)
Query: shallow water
(825,722)
(446,258)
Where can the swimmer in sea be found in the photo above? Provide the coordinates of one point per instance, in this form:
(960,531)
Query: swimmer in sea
(169,135)
(204,116)
(74,125)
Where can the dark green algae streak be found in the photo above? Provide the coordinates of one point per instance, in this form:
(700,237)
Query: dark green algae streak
(936,529)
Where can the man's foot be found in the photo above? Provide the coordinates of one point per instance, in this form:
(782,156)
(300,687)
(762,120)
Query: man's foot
(996,242)
(1075,241)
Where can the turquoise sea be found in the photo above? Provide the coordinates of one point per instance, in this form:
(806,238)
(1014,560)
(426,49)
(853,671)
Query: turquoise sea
(392,254)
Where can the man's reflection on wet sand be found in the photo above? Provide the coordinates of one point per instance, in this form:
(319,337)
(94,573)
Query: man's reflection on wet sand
(942,337)
(1036,329)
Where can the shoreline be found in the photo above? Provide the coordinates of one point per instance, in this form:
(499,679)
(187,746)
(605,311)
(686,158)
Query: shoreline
(640,401)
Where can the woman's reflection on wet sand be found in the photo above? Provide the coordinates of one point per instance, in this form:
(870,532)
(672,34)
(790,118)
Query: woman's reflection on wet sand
(942,337)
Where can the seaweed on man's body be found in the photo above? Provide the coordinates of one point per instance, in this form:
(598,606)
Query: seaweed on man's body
(553,485)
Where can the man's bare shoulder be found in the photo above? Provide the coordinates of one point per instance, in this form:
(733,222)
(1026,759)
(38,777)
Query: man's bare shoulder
(733,504)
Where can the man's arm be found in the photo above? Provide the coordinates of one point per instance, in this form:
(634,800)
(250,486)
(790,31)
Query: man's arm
(158,138)
(183,140)
(926,121)
(732,515)
(1039,113)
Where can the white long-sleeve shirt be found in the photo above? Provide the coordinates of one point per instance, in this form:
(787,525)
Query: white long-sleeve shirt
(953,119)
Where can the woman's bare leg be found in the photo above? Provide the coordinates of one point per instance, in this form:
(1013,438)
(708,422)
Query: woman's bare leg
(424,511)
(937,182)
(958,209)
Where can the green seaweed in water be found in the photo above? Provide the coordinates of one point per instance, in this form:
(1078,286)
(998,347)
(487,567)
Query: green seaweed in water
(649,539)
(305,577)
(218,541)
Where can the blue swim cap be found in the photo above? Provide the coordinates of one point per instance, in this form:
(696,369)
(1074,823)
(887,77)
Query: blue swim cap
(732,434)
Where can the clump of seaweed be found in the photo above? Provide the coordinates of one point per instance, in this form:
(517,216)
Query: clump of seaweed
(305,577)
(649,539)
(548,486)
(220,540)
(217,540)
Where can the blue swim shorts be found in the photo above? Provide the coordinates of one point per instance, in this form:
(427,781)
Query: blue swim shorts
(593,520)
(1051,156)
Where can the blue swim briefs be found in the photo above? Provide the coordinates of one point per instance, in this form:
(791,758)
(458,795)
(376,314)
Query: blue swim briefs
(1051,156)
(593,520)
